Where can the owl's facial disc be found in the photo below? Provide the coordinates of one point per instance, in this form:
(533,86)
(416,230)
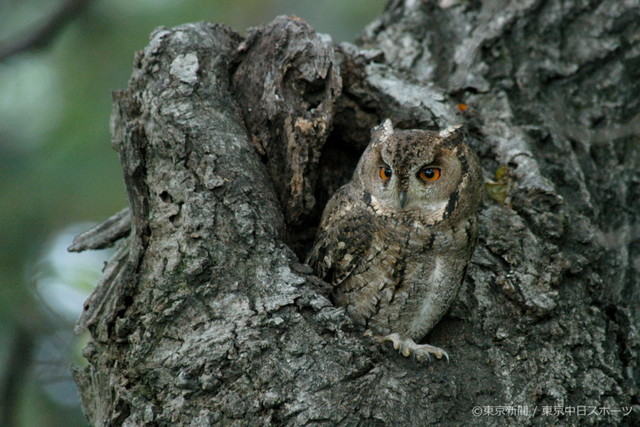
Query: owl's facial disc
(410,173)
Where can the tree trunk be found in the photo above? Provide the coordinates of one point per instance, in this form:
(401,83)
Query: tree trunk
(230,149)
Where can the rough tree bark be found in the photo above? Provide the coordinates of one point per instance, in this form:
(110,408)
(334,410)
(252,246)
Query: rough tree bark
(231,147)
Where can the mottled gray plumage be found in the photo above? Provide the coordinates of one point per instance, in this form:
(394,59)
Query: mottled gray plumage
(394,242)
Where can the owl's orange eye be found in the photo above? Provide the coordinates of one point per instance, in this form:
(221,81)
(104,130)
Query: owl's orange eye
(429,174)
(385,172)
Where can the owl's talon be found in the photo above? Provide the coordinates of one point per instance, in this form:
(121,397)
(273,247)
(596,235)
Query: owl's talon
(408,347)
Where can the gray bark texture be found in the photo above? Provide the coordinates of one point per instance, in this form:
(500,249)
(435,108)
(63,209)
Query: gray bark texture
(231,146)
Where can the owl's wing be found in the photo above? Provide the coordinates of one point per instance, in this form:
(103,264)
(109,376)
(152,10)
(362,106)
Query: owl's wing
(343,237)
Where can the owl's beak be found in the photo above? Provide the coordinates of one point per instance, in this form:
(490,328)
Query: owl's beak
(402,199)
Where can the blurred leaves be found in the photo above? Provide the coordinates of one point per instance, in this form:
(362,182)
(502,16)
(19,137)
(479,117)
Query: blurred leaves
(499,187)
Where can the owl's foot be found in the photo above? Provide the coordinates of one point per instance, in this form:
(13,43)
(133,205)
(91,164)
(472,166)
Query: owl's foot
(408,347)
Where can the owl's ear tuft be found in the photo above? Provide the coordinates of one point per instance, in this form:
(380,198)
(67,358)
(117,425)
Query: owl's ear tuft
(452,132)
(383,131)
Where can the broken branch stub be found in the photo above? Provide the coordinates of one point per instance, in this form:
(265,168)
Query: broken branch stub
(287,83)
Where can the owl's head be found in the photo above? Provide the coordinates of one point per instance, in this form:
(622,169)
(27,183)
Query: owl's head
(432,175)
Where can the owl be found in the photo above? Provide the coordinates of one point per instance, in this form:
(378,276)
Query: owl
(395,241)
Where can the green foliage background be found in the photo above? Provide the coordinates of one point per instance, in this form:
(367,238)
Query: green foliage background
(57,170)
